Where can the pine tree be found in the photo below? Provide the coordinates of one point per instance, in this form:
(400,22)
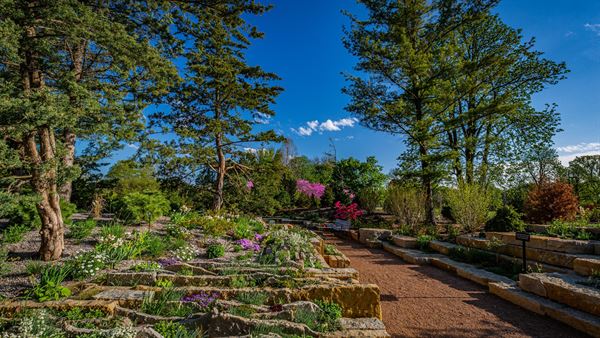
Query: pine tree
(49,86)
(215,110)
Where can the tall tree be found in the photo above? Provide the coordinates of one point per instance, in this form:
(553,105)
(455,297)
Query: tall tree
(584,175)
(404,48)
(496,76)
(41,98)
(214,112)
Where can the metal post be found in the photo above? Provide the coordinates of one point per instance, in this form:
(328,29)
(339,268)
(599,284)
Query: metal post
(524,258)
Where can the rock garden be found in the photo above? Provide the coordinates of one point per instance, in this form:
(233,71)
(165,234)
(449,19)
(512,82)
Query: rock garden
(192,276)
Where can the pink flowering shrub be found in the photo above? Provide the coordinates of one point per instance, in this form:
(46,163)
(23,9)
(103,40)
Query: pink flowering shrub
(309,189)
(349,212)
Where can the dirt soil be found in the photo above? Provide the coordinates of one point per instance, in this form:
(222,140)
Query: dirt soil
(424,301)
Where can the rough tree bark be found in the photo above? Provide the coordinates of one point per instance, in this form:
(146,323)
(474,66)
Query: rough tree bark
(43,169)
(221,169)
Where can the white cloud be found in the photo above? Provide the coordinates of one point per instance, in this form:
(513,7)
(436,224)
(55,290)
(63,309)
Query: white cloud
(570,152)
(262,118)
(251,150)
(579,148)
(594,27)
(328,125)
(133,146)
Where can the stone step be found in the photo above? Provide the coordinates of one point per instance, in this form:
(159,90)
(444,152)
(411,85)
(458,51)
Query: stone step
(442,247)
(587,266)
(579,320)
(468,271)
(409,255)
(404,241)
(563,289)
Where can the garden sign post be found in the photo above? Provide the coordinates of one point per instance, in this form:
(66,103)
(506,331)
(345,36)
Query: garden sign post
(523,237)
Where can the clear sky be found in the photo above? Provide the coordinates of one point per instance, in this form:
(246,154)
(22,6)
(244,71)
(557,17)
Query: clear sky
(303,45)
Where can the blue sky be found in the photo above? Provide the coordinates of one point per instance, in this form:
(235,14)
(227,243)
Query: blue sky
(303,45)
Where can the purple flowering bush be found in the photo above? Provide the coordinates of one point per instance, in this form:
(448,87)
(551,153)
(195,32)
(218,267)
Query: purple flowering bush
(309,189)
(247,244)
(204,299)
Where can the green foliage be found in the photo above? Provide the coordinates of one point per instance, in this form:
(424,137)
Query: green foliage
(370,198)
(216,226)
(147,207)
(146,266)
(215,251)
(238,282)
(155,246)
(14,233)
(330,249)
(423,241)
(322,321)
(49,286)
(81,229)
(358,177)
(166,303)
(4,266)
(186,253)
(584,175)
(115,230)
(20,209)
(407,204)
(163,283)
(34,268)
(283,245)
(67,210)
(86,264)
(253,298)
(175,330)
(78,313)
(549,201)
(470,204)
(37,323)
(128,176)
(505,219)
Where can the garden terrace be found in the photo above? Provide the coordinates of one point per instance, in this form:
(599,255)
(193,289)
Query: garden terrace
(258,279)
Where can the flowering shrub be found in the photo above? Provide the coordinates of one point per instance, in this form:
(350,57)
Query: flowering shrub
(286,245)
(87,264)
(185,253)
(309,189)
(349,212)
(247,244)
(204,299)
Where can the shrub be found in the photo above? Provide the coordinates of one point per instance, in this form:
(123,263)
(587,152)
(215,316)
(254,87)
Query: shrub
(20,209)
(370,198)
(146,266)
(87,264)
(175,330)
(81,229)
(216,225)
(14,233)
(215,251)
(185,253)
(144,206)
(470,204)
(406,203)
(505,219)
(551,201)
(423,241)
(327,319)
(50,285)
(593,216)
(284,245)
(154,246)
(67,210)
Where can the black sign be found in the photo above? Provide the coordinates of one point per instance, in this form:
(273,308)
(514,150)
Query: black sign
(522,236)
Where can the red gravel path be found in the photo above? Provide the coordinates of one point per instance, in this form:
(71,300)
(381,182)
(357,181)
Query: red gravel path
(424,301)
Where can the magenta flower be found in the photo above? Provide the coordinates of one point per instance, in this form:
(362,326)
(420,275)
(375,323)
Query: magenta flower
(309,189)
(247,244)
(249,185)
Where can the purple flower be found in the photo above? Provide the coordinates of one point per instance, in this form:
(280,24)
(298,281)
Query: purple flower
(203,299)
(258,237)
(249,185)
(315,190)
(247,244)
(168,261)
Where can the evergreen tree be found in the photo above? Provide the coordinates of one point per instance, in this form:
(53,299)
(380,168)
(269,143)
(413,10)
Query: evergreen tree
(214,112)
(44,93)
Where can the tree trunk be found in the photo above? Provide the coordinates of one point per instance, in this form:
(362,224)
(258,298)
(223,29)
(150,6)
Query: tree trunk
(427,186)
(220,181)
(42,160)
(44,183)
(69,135)
(68,160)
